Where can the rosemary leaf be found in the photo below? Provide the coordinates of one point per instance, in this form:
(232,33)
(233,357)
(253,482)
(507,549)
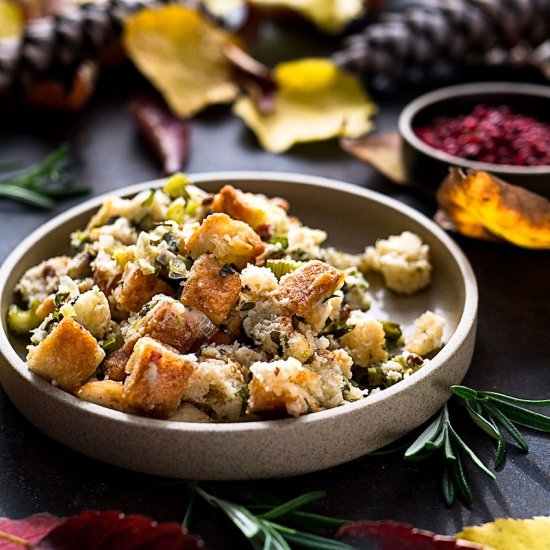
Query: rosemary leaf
(293,504)
(187,517)
(239,515)
(449,453)
(309,540)
(488,427)
(470,453)
(308,520)
(464,392)
(430,433)
(436,443)
(447,486)
(510,399)
(503,420)
(26,195)
(460,481)
(501,449)
(524,417)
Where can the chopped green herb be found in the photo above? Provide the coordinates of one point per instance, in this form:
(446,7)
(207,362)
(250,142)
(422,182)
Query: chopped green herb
(392,331)
(149,200)
(111,220)
(106,344)
(337,329)
(60,297)
(171,241)
(244,394)
(281,241)
(228,269)
(247,306)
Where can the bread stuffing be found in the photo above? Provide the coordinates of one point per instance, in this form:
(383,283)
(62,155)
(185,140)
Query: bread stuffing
(192,307)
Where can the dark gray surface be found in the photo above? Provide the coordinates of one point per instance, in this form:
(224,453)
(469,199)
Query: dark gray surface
(37,474)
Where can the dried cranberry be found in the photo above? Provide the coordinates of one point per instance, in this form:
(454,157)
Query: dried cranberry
(496,135)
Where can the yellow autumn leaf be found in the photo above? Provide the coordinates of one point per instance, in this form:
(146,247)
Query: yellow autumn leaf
(222,8)
(315,100)
(331,16)
(482,205)
(181,53)
(11,19)
(511,534)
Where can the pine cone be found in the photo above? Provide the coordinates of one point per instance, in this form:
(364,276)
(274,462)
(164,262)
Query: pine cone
(425,36)
(56,45)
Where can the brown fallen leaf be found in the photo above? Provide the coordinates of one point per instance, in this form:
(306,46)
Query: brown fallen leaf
(400,536)
(382,152)
(182,54)
(167,135)
(255,78)
(483,206)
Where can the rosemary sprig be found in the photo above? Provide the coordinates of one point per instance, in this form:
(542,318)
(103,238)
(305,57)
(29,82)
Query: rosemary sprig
(41,184)
(265,534)
(494,413)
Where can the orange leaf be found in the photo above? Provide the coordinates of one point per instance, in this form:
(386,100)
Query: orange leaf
(483,206)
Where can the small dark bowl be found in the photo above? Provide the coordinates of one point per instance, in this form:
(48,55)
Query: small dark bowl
(428,166)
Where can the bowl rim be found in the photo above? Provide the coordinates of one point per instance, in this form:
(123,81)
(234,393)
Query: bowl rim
(466,322)
(463,90)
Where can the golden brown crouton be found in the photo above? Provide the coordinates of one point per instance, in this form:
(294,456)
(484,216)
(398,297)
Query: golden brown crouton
(46,307)
(136,288)
(236,204)
(283,387)
(305,288)
(256,210)
(114,366)
(210,289)
(107,393)
(157,378)
(231,241)
(169,323)
(68,356)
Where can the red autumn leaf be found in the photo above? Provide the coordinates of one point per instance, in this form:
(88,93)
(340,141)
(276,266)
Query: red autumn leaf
(166,134)
(401,536)
(91,530)
(15,532)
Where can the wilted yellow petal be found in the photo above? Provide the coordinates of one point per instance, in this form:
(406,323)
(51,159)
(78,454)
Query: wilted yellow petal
(331,16)
(480,204)
(511,534)
(11,19)
(182,55)
(315,100)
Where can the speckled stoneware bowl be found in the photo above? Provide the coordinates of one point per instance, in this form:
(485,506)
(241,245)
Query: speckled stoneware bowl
(429,166)
(354,217)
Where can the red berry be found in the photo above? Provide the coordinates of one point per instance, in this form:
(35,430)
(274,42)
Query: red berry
(491,134)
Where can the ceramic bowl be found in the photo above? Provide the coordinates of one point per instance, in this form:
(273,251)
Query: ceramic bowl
(428,166)
(353,217)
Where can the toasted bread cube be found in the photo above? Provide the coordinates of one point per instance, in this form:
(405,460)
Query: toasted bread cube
(428,334)
(365,343)
(158,378)
(168,322)
(231,241)
(283,387)
(68,356)
(303,291)
(92,312)
(107,393)
(210,291)
(114,366)
(136,288)
(255,210)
